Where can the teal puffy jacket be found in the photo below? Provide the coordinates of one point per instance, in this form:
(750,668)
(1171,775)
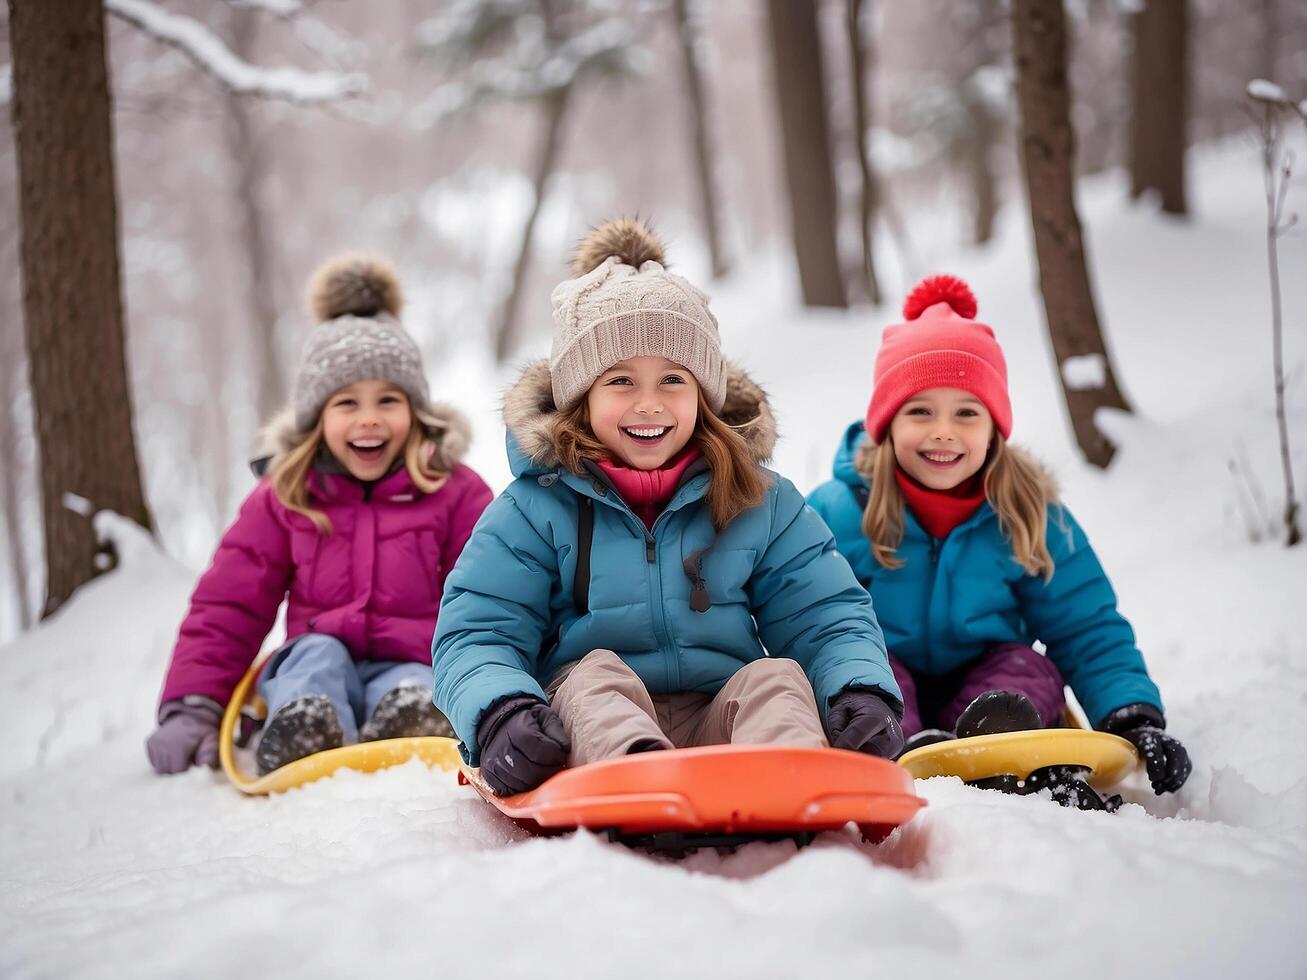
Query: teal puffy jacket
(956,597)
(508,620)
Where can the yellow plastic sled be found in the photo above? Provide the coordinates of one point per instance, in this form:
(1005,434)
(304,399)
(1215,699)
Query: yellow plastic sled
(365,756)
(1110,758)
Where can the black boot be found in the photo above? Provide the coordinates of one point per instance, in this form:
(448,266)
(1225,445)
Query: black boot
(406,712)
(301,727)
(1004,783)
(1068,787)
(927,736)
(998,711)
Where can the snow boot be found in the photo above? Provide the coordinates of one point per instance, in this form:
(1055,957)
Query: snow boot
(406,712)
(998,711)
(927,736)
(301,727)
(1068,787)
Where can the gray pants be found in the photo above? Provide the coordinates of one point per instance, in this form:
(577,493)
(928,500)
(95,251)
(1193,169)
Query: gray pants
(606,709)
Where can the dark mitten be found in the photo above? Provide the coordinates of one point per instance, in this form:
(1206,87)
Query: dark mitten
(1142,726)
(522,744)
(863,721)
(187,735)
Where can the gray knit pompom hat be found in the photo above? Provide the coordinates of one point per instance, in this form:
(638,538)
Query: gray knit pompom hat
(357,300)
(624,303)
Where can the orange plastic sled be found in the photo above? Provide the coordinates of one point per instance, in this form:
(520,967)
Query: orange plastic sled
(705,796)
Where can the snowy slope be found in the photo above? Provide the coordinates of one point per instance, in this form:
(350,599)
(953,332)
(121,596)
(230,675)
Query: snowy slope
(107,870)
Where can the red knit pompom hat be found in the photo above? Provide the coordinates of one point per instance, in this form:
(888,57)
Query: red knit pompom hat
(941,346)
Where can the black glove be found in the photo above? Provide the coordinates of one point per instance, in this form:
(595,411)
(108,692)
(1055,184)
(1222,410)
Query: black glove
(522,744)
(864,721)
(1141,725)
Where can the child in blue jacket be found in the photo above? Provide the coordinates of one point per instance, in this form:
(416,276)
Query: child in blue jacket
(644,583)
(961,541)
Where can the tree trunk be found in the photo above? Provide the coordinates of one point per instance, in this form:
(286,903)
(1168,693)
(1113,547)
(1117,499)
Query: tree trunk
(703,161)
(985,18)
(980,169)
(72,301)
(507,336)
(12,474)
(1159,96)
(801,98)
(859,56)
(246,156)
(1048,154)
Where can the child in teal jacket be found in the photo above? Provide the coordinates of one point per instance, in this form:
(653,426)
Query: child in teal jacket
(961,541)
(644,583)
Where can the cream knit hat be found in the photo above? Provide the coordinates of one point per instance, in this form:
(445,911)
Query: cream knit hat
(624,303)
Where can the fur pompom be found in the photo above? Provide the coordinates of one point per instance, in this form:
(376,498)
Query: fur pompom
(627,238)
(354,284)
(940,289)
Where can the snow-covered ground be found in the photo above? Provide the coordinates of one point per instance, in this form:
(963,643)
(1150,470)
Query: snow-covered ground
(107,870)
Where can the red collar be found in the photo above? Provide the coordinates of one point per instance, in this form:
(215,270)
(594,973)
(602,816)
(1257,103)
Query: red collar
(940,511)
(647,491)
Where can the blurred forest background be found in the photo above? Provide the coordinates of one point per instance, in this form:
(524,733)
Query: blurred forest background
(473,143)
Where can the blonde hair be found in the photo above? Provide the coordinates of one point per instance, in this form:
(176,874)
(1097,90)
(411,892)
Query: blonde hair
(426,465)
(1016,487)
(738,481)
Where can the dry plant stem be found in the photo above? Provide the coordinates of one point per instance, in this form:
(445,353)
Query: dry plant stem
(1277,185)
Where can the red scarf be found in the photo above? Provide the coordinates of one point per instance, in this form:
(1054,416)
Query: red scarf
(940,511)
(647,491)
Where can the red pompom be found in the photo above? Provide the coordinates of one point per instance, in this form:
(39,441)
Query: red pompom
(940,289)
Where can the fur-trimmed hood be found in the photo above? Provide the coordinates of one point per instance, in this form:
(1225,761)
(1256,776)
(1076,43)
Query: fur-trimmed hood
(529,412)
(449,429)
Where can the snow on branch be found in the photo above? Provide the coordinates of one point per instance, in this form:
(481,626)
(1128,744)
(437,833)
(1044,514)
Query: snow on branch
(1261,90)
(278,8)
(534,67)
(6,84)
(204,48)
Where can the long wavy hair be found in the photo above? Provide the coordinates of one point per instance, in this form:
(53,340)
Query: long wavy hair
(1015,486)
(421,455)
(738,481)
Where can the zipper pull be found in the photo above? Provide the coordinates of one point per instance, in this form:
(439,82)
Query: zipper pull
(693,568)
(649,550)
(935,544)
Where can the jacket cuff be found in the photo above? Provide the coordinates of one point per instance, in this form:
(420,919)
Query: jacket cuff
(1132,716)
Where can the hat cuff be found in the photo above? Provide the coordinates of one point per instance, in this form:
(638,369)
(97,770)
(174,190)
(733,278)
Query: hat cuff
(638,333)
(938,369)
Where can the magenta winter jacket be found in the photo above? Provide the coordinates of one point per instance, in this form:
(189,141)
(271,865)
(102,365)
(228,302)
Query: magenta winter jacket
(374,583)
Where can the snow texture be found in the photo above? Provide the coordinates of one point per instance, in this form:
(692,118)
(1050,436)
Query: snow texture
(208,51)
(1086,372)
(109,870)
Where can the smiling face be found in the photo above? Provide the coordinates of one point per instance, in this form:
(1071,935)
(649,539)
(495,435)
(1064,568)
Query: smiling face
(644,410)
(941,437)
(365,426)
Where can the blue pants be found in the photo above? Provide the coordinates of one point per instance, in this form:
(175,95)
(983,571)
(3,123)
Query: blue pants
(318,664)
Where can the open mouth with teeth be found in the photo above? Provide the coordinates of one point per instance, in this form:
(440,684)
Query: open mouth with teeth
(368,450)
(647,435)
(941,459)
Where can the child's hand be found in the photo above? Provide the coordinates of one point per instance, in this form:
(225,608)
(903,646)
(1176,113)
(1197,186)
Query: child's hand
(522,744)
(187,735)
(863,721)
(1166,759)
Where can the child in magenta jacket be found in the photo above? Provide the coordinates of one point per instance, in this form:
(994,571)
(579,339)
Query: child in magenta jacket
(362,511)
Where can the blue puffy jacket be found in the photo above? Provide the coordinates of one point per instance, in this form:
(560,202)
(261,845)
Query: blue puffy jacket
(508,621)
(956,597)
